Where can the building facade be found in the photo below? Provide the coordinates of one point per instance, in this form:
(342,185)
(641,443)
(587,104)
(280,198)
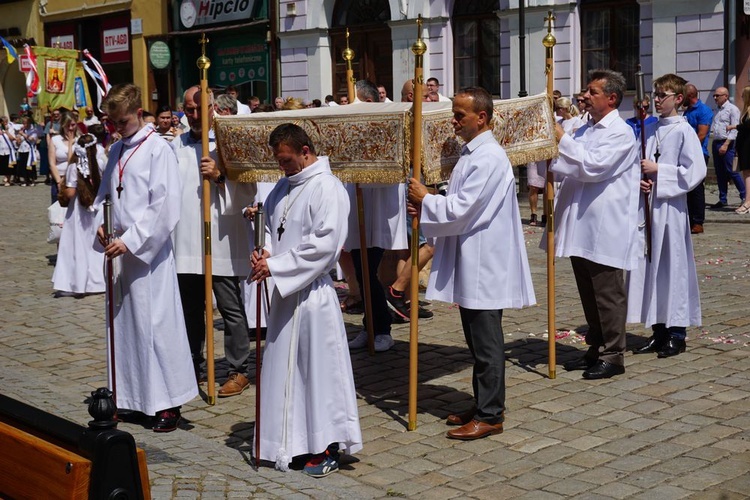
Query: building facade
(293,47)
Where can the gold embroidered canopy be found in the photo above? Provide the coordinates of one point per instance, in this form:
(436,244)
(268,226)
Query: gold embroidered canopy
(369,142)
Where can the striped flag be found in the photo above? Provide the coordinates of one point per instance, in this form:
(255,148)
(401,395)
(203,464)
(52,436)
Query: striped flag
(11,53)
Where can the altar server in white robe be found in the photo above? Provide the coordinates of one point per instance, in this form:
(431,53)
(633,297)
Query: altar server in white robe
(663,291)
(308,400)
(230,255)
(480,258)
(154,371)
(385,229)
(596,220)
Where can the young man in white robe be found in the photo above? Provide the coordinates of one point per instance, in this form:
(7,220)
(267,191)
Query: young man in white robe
(480,258)
(153,369)
(663,291)
(596,220)
(308,402)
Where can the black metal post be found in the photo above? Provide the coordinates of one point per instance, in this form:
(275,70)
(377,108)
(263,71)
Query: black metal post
(522,47)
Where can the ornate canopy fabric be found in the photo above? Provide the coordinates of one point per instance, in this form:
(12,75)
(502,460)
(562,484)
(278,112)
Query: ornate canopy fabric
(370,142)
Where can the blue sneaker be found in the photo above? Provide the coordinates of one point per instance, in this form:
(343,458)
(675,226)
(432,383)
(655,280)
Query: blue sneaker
(322,465)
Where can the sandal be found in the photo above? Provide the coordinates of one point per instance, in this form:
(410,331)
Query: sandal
(352,305)
(532,220)
(742,209)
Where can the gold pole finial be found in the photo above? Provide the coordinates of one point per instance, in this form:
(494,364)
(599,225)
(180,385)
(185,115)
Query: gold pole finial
(203,62)
(419,47)
(549,39)
(347,53)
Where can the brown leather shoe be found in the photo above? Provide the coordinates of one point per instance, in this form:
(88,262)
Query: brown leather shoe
(461,418)
(475,430)
(234,386)
(696,229)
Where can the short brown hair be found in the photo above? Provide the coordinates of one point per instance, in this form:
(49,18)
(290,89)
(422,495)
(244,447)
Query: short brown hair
(125,97)
(293,136)
(671,82)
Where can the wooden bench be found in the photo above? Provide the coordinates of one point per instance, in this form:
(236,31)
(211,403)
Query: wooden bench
(45,456)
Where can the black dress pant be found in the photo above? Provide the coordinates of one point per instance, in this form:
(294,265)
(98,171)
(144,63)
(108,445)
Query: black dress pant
(381,315)
(483,331)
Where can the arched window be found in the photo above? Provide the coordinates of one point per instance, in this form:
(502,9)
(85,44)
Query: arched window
(610,37)
(476,44)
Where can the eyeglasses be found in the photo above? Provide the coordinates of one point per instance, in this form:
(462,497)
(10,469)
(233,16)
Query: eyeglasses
(663,95)
(580,100)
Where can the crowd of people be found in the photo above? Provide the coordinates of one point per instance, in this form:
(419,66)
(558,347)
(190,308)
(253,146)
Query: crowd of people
(152,168)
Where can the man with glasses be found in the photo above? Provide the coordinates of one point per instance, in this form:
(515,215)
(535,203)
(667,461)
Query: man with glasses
(433,85)
(723,146)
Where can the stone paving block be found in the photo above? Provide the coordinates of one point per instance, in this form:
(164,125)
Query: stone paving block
(589,459)
(646,479)
(667,492)
(534,444)
(568,487)
(618,490)
(505,492)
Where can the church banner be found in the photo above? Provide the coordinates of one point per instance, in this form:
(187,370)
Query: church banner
(370,143)
(57,75)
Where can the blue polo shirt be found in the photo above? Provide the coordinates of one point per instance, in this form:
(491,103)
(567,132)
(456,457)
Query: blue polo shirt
(700,114)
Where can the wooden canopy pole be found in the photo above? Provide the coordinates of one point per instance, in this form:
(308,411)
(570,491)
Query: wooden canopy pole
(549,42)
(203,64)
(348,55)
(419,48)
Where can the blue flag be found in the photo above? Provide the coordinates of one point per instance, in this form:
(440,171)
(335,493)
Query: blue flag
(11,52)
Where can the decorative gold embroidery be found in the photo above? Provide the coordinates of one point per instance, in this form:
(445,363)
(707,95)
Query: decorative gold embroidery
(373,147)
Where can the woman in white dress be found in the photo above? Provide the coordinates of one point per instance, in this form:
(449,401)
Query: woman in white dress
(61,152)
(80,267)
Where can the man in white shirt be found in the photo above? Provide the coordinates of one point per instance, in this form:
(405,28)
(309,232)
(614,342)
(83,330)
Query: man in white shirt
(242,109)
(382,93)
(91,118)
(480,258)
(433,85)
(596,220)
(723,146)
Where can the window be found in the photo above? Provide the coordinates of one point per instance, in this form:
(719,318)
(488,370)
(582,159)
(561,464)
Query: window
(610,37)
(476,35)
(352,12)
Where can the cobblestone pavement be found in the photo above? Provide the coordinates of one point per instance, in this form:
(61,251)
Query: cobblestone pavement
(668,428)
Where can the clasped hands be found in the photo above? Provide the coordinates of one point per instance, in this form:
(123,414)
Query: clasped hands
(260,269)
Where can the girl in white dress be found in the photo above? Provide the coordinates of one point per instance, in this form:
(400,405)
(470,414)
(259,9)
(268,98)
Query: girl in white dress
(80,267)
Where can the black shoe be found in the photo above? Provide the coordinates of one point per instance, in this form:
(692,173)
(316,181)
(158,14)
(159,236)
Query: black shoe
(654,345)
(582,363)
(672,348)
(397,301)
(167,420)
(422,313)
(717,205)
(602,369)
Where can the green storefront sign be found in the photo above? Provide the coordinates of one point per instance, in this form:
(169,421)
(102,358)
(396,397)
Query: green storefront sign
(238,59)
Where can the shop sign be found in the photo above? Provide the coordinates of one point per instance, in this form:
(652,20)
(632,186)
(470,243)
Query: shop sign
(203,12)
(115,40)
(238,60)
(159,55)
(24,64)
(63,42)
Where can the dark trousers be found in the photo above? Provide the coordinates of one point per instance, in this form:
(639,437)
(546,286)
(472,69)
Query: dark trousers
(229,302)
(605,305)
(381,315)
(23,169)
(723,167)
(483,331)
(696,202)
(663,334)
